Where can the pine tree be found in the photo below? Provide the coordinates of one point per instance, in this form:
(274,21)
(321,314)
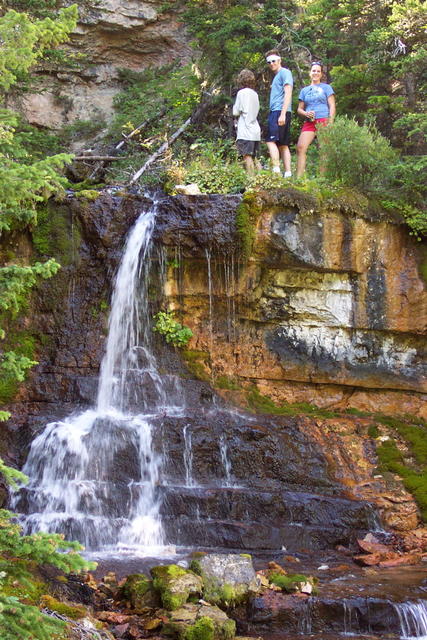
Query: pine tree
(19,555)
(23,182)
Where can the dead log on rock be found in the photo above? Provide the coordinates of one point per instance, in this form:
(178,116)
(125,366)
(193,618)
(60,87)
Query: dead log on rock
(96,158)
(160,151)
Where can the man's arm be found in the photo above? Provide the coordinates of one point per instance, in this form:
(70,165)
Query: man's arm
(286,103)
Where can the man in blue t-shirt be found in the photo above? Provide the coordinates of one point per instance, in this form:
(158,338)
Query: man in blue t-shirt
(279,119)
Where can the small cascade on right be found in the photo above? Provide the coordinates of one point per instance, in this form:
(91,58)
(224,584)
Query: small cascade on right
(188,457)
(413,619)
(225,459)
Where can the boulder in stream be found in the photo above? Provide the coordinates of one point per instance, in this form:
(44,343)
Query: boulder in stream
(227,578)
(175,584)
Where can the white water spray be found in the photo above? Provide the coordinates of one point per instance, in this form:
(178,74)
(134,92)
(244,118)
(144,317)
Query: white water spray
(93,477)
(413,619)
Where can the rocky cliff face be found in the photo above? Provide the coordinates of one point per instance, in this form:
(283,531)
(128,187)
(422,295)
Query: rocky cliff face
(111,35)
(328,309)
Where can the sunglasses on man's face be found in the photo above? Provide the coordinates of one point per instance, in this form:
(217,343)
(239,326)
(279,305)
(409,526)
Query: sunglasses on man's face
(271,61)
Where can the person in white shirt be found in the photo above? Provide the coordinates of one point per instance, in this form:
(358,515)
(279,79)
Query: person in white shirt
(246,108)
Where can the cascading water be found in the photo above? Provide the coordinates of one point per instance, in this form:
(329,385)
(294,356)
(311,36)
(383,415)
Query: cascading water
(188,457)
(93,476)
(413,619)
(225,460)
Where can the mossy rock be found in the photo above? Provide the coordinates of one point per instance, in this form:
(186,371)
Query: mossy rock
(138,590)
(175,585)
(23,343)
(57,233)
(200,622)
(70,611)
(88,194)
(228,579)
(290,582)
(202,629)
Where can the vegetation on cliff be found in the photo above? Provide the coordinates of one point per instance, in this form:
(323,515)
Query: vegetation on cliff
(402,450)
(372,53)
(25,180)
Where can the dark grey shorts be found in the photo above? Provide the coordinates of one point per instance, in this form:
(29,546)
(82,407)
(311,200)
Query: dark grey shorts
(281,135)
(248,148)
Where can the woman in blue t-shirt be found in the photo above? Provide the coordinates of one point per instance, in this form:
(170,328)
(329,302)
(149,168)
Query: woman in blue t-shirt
(317,105)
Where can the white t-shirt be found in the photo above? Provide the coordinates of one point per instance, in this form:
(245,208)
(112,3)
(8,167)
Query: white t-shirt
(247,107)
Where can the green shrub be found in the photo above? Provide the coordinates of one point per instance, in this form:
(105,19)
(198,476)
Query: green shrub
(266,180)
(174,332)
(215,168)
(357,155)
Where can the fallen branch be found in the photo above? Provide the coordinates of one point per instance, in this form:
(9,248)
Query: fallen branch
(138,129)
(193,118)
(103,158)
(160,151)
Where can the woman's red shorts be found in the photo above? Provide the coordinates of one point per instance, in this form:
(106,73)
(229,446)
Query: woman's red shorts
(312,125)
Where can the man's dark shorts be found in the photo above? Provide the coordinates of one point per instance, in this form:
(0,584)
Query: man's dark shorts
(248,148)
(281,135)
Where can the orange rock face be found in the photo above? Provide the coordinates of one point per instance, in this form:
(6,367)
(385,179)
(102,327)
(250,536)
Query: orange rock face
(329,310)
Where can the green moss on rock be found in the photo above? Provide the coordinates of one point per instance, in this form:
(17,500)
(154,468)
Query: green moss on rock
(289,582)
(23,343)
(88,194)
(263,404)
(73,612)
(175,585)
(56,235)
(136,586)
(247,216)
(203,629)
(410,461)
(196,362)
(225,382)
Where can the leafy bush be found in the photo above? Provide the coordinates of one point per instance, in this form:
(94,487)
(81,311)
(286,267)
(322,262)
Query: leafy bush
(358,156)
(175,90)
(265,180)
(174,332)
(214,168)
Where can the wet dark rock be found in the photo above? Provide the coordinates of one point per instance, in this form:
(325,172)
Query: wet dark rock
(197,223)
(278,612)
(66,587)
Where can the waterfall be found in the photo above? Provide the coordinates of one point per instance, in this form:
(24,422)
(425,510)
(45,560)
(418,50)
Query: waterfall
(413,619)
(188,457)
(94,476)
(225,460)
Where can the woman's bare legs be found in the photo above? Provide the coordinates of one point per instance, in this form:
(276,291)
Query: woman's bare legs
(304,141)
